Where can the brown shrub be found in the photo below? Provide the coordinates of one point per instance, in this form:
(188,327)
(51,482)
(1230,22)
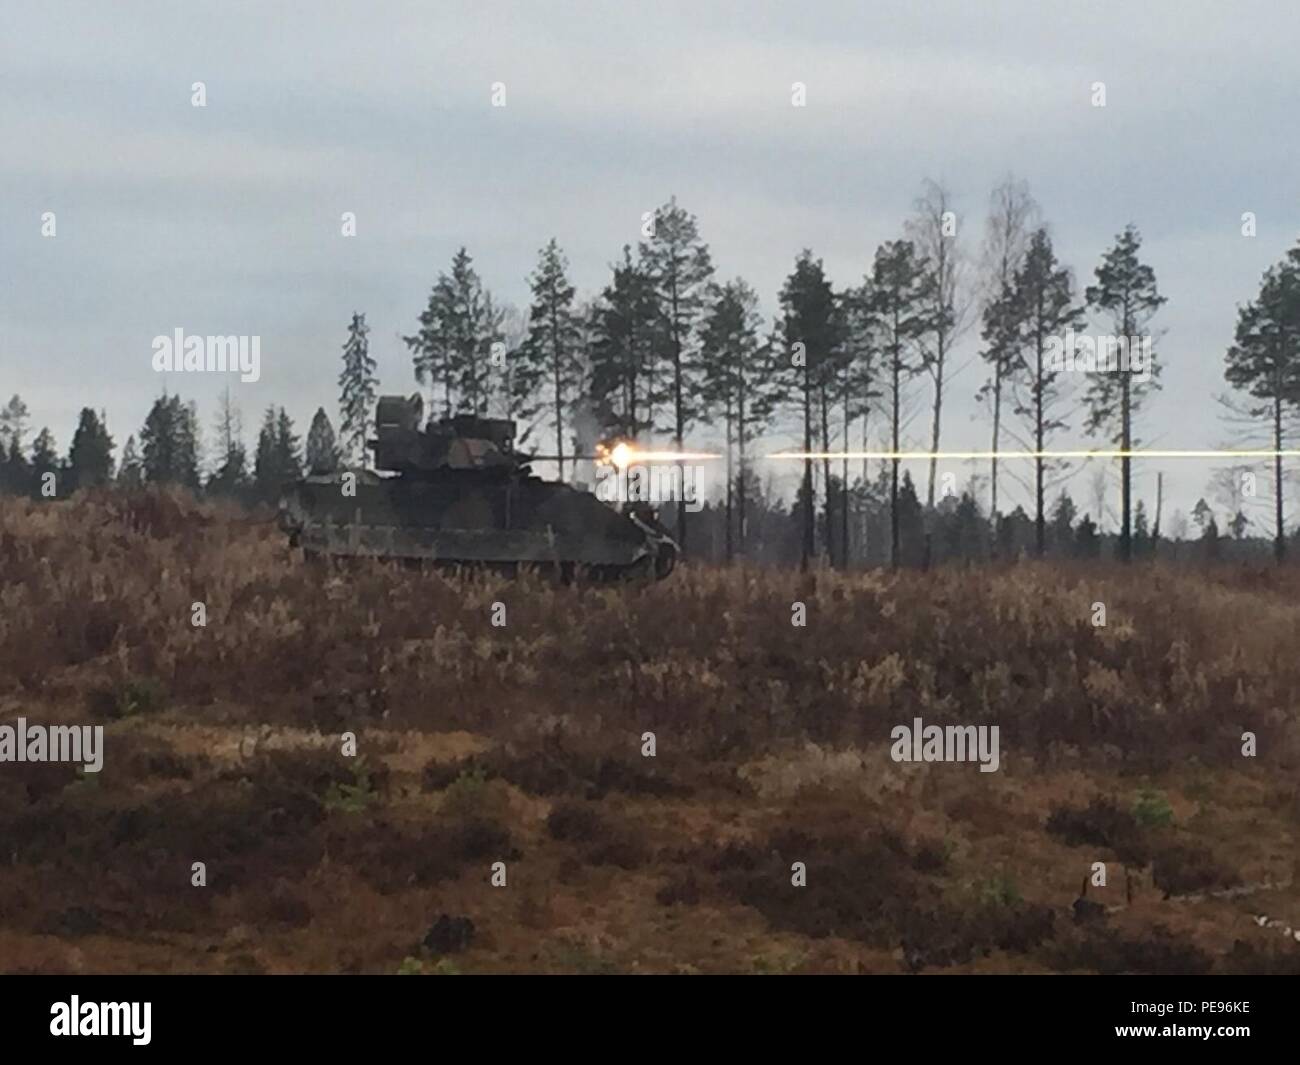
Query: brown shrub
(1100,824)
(1185,868)
(606,839)
(111,575)
(1258,959)
(1108,952)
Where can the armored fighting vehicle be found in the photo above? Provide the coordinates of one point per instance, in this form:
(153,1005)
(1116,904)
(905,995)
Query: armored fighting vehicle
(455,492)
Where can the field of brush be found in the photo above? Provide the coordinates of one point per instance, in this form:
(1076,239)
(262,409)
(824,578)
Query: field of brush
(522,743)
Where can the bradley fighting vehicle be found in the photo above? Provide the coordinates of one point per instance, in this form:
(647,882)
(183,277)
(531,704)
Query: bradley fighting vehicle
(455,492)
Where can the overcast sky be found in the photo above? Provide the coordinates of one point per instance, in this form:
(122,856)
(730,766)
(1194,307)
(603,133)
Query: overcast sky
(226,219)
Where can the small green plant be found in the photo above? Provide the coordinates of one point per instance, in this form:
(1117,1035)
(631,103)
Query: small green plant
(998,890)
(581,960)
(1151,809)
(468,795)
(778,963)
(352,798)
(412,966)
(140,695)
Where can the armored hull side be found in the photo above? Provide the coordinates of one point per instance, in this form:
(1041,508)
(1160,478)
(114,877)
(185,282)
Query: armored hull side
(460,518)
(455,492)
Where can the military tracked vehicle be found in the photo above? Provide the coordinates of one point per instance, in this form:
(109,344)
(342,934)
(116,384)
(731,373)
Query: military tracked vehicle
(455,492)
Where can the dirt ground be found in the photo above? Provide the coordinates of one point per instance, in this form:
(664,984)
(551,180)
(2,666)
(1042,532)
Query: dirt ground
(500,815)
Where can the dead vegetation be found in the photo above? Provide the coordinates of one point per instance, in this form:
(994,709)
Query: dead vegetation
(523,745)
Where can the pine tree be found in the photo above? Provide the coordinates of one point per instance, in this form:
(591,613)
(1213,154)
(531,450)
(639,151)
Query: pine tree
(1064,513)
(900,288)
(130,473)
(322,450)
(13,425)
(1044,294)
(278,460)
(516,385)
(90,458)
(17,471)
(268,477)
(809,338)
(160,442)
(623,349)
(170,443)
(861,391)
(1142,542)
(1264,362)
(453,347)
(288,449)
(1126,292)
(357,384)
(1202,515)
(189,445)
(735,381)
(1087,544)
(231,476)
(1210,546)
(551,350)
(677,262)
(911,523)
(45,461)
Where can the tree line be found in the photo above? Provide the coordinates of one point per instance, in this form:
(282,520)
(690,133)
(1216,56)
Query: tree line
(666,348)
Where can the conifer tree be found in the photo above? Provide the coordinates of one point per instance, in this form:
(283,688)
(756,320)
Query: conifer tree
(1264,363)
(1044,297)
(550,351)
(737,383)
(357,385)
(322,450)
(90,458)
(625,328)
(678,264)
(809,337)
(900,287)
(1126,292)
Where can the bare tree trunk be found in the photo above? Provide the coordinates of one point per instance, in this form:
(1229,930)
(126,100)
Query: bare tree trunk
(938,410)
(844,488)
(866,480)
(678,413)
(1160,502)
(809,524)
(1040,517)
(1279,543)
(893,481)
(826,479)
(997,426)
(557,361)
(728,540)
(1126,474)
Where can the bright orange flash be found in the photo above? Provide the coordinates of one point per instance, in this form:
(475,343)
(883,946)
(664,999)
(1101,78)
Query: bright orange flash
(625,454)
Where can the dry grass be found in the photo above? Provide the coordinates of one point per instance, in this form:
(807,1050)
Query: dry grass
(522,745)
